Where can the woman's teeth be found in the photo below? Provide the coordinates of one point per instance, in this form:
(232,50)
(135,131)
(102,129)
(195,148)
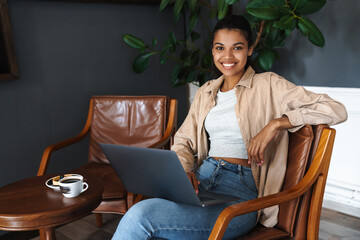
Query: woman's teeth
(227,65)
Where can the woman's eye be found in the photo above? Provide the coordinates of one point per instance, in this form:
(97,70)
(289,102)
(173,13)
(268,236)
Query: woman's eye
(219,48)
(238,48)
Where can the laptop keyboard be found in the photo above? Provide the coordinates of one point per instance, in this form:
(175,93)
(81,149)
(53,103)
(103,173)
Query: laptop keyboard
(206,196)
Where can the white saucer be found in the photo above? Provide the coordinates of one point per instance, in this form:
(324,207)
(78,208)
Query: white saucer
(49,182)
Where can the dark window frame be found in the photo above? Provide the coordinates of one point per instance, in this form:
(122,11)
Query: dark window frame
(8,68)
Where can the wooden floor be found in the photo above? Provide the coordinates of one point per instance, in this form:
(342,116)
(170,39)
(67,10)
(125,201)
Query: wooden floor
(333,226)
(336,226)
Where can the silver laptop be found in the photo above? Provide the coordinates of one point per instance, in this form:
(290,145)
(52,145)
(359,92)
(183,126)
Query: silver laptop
(157,173)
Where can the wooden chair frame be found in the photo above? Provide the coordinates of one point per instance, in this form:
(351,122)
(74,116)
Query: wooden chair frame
(315,177)
(167,138)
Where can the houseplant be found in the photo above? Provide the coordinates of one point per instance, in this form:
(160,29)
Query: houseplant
(272,20)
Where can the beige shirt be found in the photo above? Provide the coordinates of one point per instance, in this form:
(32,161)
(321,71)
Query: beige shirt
(260,98)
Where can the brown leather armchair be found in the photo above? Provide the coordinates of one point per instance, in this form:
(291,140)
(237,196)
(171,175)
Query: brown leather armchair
(301,197)
(144,121)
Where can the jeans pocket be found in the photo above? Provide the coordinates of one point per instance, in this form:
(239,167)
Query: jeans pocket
(206,170)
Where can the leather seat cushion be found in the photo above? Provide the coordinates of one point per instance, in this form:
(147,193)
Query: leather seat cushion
(260,233)
(113,187)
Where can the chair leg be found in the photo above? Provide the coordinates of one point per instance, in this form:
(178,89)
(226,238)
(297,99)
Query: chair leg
(130,200)
(98,220)
(41,234)
(47,234)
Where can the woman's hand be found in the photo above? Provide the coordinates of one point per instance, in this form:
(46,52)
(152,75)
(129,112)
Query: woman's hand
(193,181)
(259,143)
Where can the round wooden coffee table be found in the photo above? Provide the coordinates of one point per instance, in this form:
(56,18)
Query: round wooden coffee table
(29,205)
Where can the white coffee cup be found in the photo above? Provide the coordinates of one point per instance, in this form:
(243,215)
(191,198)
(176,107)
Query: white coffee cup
(72,186)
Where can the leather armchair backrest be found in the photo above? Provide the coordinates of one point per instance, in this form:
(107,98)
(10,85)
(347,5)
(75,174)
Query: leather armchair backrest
(129,120)
(300,144)
(300,226)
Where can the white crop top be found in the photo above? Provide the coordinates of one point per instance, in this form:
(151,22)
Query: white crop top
(226,139)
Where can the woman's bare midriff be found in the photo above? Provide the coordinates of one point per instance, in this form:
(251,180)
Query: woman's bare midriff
(237,161)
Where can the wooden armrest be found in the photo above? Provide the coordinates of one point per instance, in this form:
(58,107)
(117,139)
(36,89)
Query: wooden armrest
(47,152)
(170,127)
(274,199)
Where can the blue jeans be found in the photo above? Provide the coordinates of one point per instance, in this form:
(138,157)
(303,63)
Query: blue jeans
(162,219)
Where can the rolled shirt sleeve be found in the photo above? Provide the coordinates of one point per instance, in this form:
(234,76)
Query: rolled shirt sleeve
(305,107)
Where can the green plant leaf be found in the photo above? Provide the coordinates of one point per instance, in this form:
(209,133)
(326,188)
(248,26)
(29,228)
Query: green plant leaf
(213,13)
(187,61)
(295,4)
(201,78)
(206,60)
(250,18)
(285,10)
(180,42)
(172,37)
(175,81)
(287,33)
(222,9)
(186,57)
(165,47)
(311,6)
(133,41)
(277,3)
(193,20)
(191,76)
(268,27)
(286,22)
(163,56)
(163,59)
(163,4)
(192,5)
(231,2)
(185,54)
(266,58)
(171,41)
(310,30)
(265,9)
(177,9)
(141,62)
(275,38)
(154,42)
(195,56)
(194,36)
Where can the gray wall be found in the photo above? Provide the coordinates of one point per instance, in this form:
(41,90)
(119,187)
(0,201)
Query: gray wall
(337,64)
(66,52)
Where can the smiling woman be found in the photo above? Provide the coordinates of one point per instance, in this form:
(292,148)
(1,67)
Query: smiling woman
(230,52)
(8,66)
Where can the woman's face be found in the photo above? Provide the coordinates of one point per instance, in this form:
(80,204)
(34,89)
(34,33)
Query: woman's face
(230,52)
